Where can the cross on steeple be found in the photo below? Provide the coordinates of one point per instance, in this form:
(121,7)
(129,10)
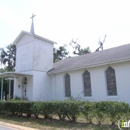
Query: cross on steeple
(32,26)
(32,16)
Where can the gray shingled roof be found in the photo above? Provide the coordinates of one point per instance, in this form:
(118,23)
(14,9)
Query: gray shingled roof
(113,55)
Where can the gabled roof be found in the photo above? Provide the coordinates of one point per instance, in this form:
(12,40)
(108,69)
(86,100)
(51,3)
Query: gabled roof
(108,56)
(37,36)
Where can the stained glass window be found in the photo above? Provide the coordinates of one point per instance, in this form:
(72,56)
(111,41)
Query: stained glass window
(67,86)
(111,82)
(87,84)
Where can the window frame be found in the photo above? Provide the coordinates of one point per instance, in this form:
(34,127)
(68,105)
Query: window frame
(110,78)
(67,95)
(89,84)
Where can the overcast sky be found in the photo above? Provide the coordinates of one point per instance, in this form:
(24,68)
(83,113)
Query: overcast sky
(62,20)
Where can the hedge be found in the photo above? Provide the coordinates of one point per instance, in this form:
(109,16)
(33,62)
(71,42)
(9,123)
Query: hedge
(69,110)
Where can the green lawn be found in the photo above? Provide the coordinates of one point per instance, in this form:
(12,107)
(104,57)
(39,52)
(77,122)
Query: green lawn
(55,124)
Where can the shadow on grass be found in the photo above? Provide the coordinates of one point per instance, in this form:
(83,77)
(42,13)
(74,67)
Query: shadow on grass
(53,124)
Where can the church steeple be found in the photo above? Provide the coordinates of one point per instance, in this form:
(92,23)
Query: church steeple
(32,26)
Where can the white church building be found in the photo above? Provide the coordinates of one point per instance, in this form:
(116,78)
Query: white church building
(98,76)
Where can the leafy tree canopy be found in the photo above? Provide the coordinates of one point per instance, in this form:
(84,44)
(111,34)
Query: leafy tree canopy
(8,57)
(8,54)
(60,53)
(77,48)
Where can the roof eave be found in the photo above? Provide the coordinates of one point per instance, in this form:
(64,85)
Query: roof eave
(20,36)
(37,36)
(13,74)
(45,39)
(90,66)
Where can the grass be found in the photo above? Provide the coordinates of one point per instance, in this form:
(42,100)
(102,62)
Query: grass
(54,124)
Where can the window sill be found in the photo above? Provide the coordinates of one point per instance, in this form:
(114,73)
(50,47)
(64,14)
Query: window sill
(67,98)
(87,98)
(112,97)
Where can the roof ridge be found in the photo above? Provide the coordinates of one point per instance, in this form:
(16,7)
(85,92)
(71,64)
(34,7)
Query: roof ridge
(92,52)
(111,55)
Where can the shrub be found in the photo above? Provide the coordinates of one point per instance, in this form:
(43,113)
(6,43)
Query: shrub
(115,110)
(101,111)
(73,109)
(36,109)
(88,111)
(59,109)
(68,109)
(47,109)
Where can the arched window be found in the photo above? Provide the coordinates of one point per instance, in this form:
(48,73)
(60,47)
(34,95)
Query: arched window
(67,86)
(25,80)
(87,84)
(111,82)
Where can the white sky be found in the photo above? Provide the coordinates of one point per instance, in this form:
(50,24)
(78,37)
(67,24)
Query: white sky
(62,20)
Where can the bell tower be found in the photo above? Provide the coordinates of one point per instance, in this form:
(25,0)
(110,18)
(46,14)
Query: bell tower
(33,52)
(34,56)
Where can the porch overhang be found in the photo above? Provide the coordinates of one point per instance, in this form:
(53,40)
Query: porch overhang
(13,75)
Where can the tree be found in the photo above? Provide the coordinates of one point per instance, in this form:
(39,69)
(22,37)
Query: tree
(2,70)
(101,43)
(77,48)
(8,57)
(60,53)
(5,84)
